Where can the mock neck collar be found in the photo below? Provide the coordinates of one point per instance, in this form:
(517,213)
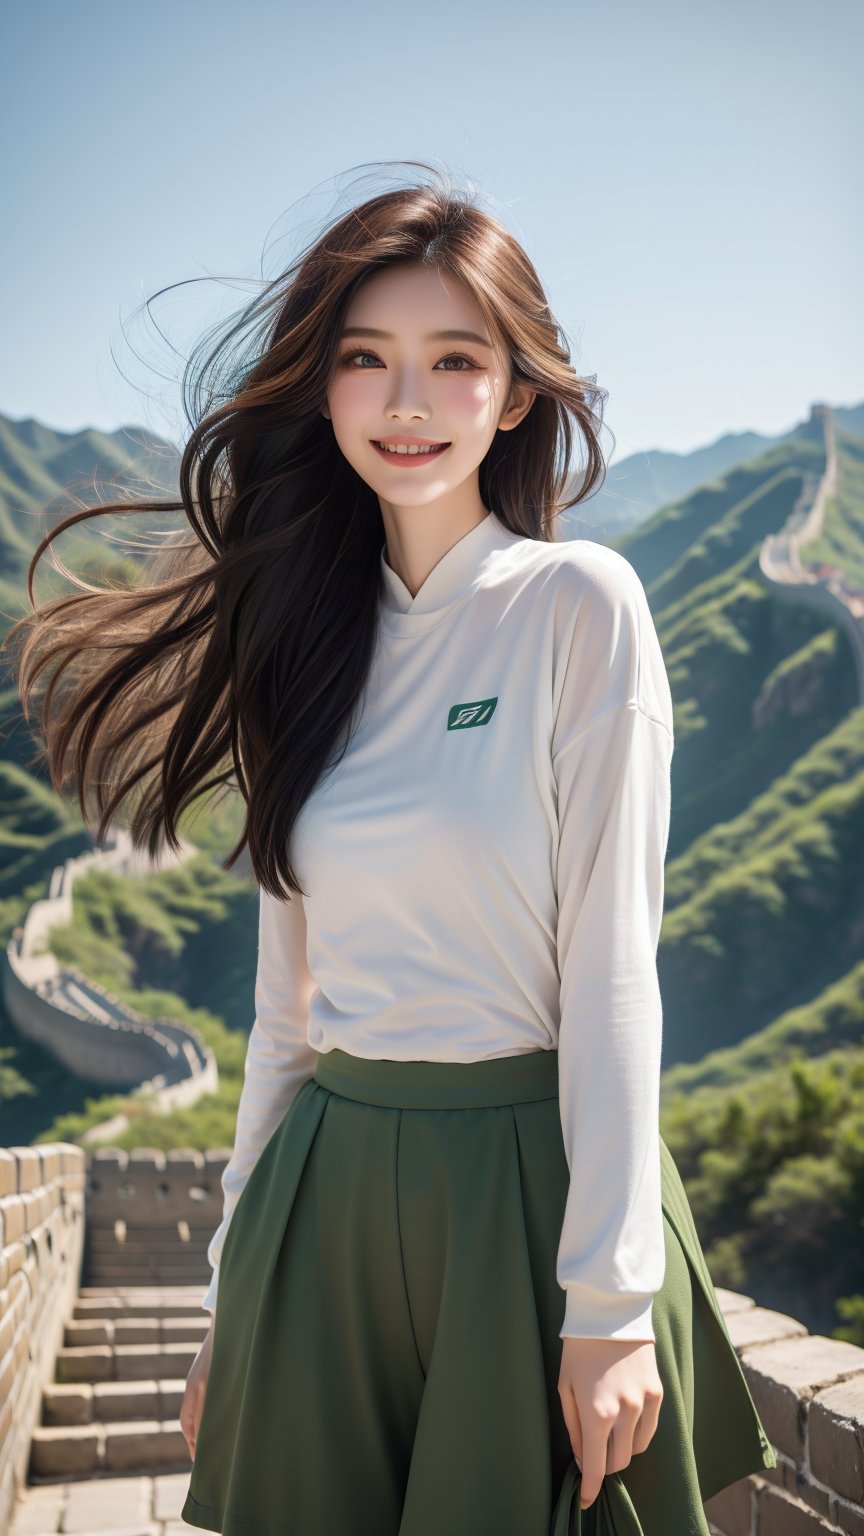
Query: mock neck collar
(449,583)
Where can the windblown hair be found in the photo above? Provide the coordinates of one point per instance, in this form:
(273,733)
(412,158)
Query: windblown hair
(239,656)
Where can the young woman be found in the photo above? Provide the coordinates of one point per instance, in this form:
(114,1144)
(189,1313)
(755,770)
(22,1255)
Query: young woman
(459,1286)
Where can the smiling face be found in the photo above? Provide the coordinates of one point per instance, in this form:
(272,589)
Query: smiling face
(436,375)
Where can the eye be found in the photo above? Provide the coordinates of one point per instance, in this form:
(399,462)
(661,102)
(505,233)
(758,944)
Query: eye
(458,356)
(358,352)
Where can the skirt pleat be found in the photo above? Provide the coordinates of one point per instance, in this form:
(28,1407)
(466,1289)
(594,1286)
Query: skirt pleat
(386,1349)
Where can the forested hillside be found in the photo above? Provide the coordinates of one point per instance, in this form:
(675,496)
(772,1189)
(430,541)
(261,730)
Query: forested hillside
(761,945)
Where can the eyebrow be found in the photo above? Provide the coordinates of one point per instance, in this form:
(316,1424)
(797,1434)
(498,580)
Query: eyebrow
(370,330)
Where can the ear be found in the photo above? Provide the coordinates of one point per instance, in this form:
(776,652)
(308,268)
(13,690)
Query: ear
(522,398)
(325,412)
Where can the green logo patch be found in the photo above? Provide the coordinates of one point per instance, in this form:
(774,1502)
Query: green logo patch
(462,716)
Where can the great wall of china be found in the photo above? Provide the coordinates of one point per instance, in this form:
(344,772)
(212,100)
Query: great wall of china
(824,588)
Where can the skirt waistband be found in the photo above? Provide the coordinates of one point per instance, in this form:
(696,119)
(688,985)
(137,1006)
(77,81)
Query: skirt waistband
(440,1084)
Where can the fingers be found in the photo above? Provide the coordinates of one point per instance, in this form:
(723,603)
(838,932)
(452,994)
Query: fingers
(596,1434)
(189,1434)
(571,1419)
(611,1395)
(589,1443)
(646,1426)
(606,1437)
(192,1405)
(190,1414)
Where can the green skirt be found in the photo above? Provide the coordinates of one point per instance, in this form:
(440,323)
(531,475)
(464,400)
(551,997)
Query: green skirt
(386,1350)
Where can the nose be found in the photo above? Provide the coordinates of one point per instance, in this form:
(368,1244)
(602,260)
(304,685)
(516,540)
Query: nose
(406,400)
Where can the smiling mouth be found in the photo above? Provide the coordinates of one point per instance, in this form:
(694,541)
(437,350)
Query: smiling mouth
(407,455)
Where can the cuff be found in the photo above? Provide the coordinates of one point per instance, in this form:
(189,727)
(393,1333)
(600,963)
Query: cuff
(590,1314)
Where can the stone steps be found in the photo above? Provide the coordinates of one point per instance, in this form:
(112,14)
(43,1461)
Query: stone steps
(173,1253)
(119,1269)
(106,1506)
(110,1402)
(109,1438)
(124,1362)
(111,1302)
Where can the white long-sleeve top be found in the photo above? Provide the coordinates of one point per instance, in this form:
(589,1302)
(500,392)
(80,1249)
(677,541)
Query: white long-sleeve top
(485,877)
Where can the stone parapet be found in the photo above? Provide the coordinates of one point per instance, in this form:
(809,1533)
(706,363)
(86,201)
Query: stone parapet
(42,1198)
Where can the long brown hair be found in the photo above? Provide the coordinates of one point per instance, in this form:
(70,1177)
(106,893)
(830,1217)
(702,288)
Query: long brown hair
(243,650)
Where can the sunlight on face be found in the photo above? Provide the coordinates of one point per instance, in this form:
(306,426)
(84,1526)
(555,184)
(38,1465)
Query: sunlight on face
(451,390)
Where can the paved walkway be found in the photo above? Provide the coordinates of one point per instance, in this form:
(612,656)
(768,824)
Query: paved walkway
(123,1506)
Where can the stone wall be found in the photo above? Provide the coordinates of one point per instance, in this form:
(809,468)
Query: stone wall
(151,1215)
(42,1197)
(106,1041)
(809,1391)
(81,1024)
(781,568)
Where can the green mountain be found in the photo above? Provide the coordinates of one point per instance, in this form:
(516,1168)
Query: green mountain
(45,475)
(640,484)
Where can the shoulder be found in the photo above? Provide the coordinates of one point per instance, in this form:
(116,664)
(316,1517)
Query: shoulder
(595,577)
(594,595)
(580,573)
(606,645)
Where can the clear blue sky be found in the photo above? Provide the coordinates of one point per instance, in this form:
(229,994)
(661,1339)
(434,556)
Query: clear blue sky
(685,174)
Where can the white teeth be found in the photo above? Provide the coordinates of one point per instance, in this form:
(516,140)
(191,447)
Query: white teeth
(403,448)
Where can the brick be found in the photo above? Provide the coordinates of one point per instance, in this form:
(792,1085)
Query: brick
(731,1508)
(146,1443)
(781,1515)
(13,1217)
(783,1377)
(70,1451)
(121,1503)
(8,1174)
(95,1363)
(847,1517)
(759,1325)
(117,1401)
(67,1403)
(835,1438)
(29,1167)
(169,1494)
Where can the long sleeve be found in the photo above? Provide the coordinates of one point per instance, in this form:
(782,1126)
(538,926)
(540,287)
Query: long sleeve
(278,1058)
(612,750)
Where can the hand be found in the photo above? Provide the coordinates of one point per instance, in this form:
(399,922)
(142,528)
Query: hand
(196,1388)
(610,1394)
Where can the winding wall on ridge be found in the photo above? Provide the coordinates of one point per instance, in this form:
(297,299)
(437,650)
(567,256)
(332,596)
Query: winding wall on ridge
(81,1024)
